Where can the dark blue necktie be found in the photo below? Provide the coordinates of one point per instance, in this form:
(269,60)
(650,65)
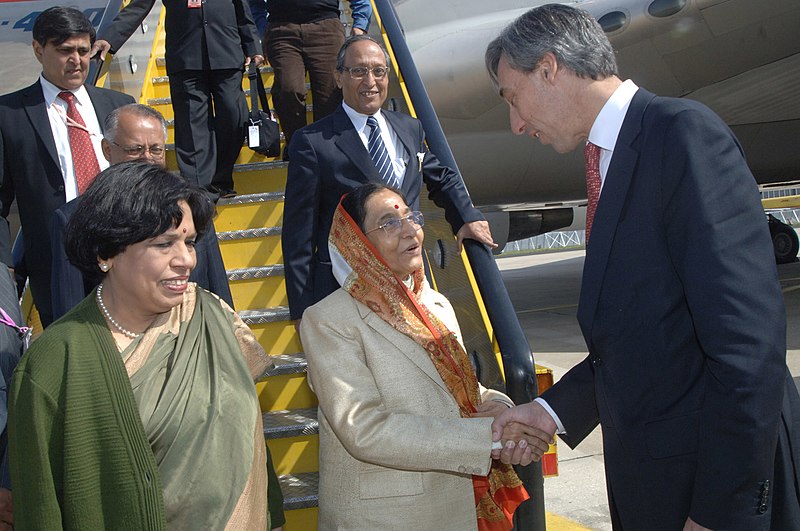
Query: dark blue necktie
(379,154)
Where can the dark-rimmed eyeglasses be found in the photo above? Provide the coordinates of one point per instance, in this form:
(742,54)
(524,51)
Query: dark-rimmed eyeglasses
(139,151)
(394,225)
(359,72)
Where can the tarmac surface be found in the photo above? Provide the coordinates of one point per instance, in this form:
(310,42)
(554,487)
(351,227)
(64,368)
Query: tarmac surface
(544,289)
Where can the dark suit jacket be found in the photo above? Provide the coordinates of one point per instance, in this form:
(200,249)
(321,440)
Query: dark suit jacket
(11,349)
(29,172)
(215,36)
(69,286)
(683,316)
(327,160)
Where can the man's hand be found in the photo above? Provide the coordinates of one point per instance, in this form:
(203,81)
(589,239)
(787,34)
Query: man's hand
(257,60)
(538,440)
(691,525)
(6,510)
(475,230)
(531,414)
(102,47)
(357,31)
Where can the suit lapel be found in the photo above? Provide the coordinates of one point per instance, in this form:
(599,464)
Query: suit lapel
(102,106)
(350,144)
(609,208)
(404,345)
(33,101)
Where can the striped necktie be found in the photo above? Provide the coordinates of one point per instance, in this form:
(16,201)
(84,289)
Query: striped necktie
(84,158)
(379,154)
(591,156)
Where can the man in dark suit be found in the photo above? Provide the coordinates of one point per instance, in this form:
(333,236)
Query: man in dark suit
(208,43)
(330,157)
(36,132)
(680,304)
(132,132)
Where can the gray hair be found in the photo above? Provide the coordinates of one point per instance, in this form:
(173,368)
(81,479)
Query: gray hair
(352,39)
(111,124)
(572,35)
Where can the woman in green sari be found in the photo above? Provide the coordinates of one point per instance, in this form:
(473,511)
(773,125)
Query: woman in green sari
(137,410)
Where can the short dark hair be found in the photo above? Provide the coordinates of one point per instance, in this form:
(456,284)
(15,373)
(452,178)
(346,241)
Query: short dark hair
(353,39)
(126,204)
(355,202)
(57,24)
(572,35)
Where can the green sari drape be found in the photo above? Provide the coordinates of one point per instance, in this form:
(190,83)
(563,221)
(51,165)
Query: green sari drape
(195,393)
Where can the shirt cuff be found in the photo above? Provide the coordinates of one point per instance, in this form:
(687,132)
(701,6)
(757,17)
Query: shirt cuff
(546,406)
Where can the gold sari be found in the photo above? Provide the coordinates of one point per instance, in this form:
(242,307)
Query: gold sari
(372,282)
(192,375)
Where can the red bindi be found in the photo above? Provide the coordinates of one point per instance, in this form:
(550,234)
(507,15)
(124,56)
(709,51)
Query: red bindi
(397,207)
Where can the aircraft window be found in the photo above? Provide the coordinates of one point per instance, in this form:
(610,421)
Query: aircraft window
(665,8)
(613,21)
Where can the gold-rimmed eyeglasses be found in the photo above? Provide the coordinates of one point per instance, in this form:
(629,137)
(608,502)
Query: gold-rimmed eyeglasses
(359,72)
(138,151)
(394,225)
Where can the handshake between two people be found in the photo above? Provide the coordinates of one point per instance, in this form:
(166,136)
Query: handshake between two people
(524,431)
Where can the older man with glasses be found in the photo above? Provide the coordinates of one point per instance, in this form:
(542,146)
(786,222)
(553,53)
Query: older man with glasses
(132,132)
(357,144)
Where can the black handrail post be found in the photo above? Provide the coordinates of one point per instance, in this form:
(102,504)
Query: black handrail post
(517,357)
(96,65)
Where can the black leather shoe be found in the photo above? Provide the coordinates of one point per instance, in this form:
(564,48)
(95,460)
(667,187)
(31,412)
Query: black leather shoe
(221,192)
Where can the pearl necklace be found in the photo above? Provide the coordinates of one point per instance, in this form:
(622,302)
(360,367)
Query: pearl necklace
(113,321)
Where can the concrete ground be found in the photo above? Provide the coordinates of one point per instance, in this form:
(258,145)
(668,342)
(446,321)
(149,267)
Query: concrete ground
(544,289)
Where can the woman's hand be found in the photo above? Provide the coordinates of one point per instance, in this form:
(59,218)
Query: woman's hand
(6,510)
(490,408)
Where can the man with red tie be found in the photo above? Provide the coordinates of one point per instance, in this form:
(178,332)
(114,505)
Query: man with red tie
(680,304)
(50,135)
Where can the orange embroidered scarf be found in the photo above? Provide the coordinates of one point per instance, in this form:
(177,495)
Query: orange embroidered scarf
(375,285)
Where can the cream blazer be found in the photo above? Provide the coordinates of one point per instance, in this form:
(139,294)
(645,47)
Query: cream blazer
(394,451)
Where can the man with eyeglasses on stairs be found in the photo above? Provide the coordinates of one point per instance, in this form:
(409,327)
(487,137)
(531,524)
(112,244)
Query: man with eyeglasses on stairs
(132,132)
(359,143)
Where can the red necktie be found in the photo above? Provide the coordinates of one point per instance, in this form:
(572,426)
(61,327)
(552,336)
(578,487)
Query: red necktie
(591,156)
(84,159)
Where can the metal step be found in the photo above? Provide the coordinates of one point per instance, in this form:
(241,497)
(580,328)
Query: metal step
(249,233)
(300,490)
(251,273)
(289,364)
(259,166)
(161,61)
(290,423)
(244,199)
(152,102)
(265,315)
(164,80)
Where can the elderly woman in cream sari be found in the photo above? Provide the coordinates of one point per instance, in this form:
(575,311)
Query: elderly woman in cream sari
(405,427)
(137,409)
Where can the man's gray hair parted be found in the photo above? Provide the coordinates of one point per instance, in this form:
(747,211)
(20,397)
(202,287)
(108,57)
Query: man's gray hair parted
(353,39)
(111,124)
(572,35)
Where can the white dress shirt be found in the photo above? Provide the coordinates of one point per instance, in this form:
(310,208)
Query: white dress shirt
(608,123)
(397,152)
(57,114)
(603,134)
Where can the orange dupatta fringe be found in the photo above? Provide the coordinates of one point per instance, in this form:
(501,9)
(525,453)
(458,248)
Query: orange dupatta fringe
(371,282)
